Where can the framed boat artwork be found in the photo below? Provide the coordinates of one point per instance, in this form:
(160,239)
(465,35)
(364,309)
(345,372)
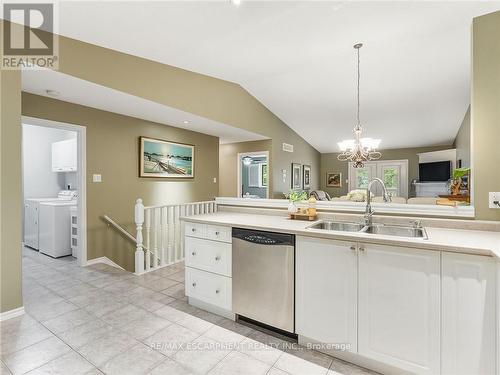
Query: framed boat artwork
(164,159)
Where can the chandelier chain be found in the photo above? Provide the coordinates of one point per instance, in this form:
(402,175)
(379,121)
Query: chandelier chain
(359,150)
(359,76)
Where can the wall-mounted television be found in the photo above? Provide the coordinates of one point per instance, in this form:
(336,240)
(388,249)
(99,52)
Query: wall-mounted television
(435,171)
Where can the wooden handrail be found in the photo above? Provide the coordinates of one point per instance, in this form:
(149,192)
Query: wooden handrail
(121,230)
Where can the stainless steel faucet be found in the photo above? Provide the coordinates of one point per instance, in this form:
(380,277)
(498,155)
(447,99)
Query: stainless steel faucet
(368,211)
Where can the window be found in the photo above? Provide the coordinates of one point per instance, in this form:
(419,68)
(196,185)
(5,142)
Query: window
(362,178)
(257,175)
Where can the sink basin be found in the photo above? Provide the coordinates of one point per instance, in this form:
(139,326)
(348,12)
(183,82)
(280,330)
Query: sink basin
(393,230)
(385,230)
(338,226)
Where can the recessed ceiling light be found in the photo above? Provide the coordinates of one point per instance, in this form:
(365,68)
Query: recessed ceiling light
(236,2)
(52,92)
(185,122)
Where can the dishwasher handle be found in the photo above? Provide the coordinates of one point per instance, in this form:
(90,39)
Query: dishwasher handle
(263,238)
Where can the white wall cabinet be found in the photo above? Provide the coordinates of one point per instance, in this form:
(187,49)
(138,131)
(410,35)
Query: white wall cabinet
(399,307)
(326,291)
(468,292)
(64,156)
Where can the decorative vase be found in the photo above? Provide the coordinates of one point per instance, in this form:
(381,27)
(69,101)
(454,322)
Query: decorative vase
(292,208)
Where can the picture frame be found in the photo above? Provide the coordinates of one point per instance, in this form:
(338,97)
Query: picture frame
(159,158)
(306,177)
(296,176)
(334,180)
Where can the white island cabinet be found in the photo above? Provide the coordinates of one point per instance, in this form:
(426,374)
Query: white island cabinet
(208,267)
(469,326)
(326,287)
(399,307)
(403,310)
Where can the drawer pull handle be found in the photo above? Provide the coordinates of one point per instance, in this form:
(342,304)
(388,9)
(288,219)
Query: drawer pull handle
(194,285)
(353,248)
(216,233)
(193,229)
(193,253)
(217,291)
(217,258)
(361,249)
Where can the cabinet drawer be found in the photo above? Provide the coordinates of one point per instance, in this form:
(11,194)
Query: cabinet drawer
(208,287)
(218,233)
(208,255)
(195,230)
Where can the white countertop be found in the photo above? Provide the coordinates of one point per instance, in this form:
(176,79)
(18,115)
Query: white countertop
(455,240)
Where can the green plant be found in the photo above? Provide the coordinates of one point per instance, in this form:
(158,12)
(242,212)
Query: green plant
(460,172)
(296,195)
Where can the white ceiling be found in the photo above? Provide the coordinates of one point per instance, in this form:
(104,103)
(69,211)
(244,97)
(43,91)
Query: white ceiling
(86,93)
(297,58)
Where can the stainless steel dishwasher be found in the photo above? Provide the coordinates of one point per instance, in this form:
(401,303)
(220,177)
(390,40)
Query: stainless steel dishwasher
(263,277)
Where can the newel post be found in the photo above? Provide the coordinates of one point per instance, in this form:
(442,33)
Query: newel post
(139,252)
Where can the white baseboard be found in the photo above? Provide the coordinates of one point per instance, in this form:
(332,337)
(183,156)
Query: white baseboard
(104,260)
(11,313)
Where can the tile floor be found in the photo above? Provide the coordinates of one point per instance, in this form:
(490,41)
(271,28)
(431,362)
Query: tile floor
(99,319)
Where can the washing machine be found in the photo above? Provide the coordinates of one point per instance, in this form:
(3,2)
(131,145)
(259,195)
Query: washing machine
(31,215)
(55,228)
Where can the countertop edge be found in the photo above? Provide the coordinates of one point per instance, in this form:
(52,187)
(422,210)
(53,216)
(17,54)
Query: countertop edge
(358,237)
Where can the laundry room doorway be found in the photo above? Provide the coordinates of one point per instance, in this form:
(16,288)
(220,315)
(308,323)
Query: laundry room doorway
(54,192)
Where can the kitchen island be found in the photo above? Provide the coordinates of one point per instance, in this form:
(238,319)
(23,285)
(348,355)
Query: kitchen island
(391,304)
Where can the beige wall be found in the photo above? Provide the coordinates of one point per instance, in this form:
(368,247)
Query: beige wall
(485,112)
(10,191)
(228,167)
(112,150)
(329,163)
(462,141)
(202,95)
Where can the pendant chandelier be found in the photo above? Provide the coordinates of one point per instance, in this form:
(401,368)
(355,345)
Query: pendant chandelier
(359,150)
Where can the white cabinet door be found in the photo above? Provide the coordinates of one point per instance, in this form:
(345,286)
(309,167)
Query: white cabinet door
(399,307)
(57,156)
(468,293)
(326,291)
(64,155)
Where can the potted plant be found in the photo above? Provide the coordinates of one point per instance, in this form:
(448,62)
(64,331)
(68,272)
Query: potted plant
(295,196)
(457,182)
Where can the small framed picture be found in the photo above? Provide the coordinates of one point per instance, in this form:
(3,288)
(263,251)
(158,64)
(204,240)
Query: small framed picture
(334,180)
(306,176)
(296,176)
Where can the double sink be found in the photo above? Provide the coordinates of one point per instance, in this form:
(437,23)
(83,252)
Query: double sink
(381,229)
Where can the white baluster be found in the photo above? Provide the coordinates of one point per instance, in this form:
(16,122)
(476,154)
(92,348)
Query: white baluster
(184,213)
(139,252)
(162,236)
(157,237)
(170,234)
(177,228)
(147,225)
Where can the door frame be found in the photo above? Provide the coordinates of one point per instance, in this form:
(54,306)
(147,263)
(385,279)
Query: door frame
(81,176)
(238,169)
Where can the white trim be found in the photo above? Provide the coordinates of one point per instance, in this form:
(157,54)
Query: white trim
(81,173)
(12,313)
(104,260)
(358,207)
(238,168)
